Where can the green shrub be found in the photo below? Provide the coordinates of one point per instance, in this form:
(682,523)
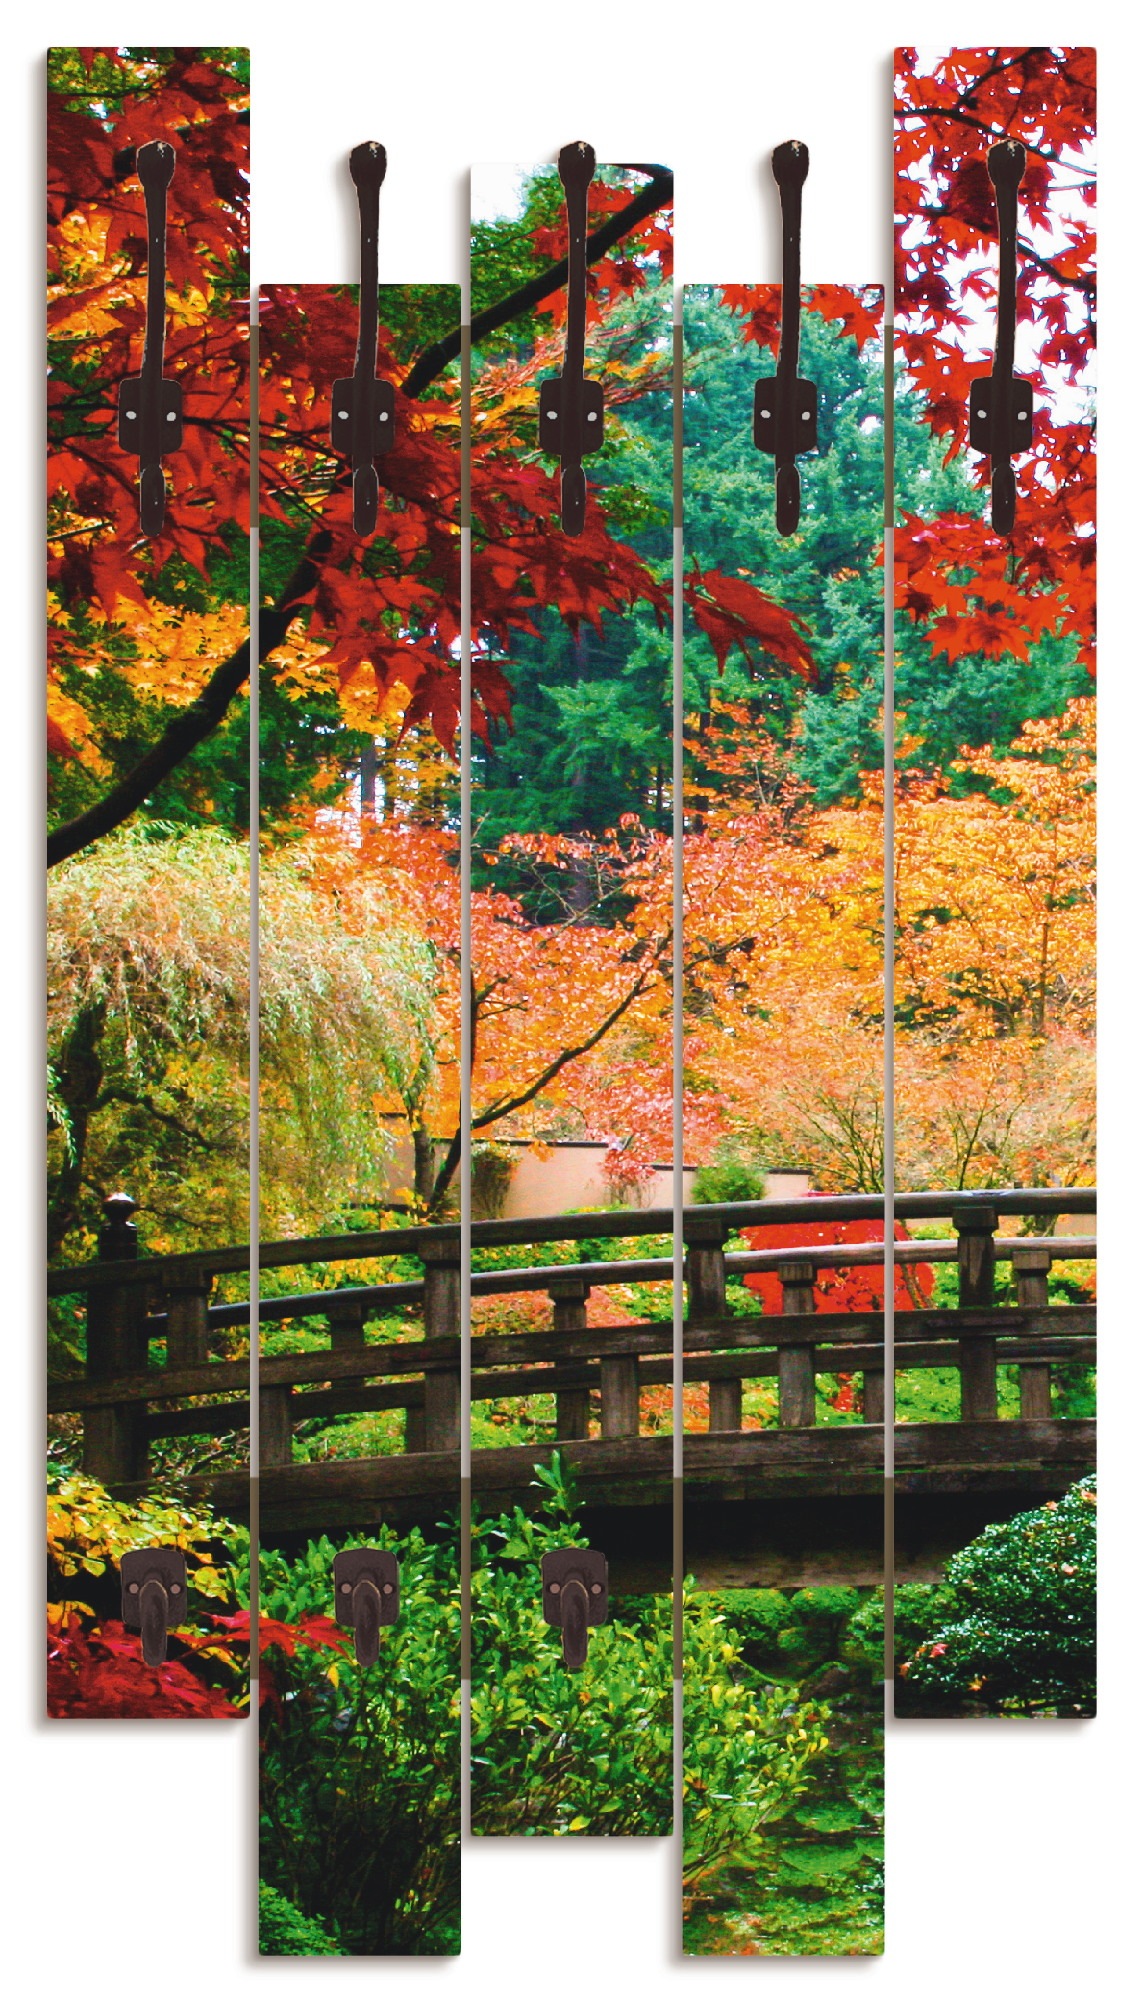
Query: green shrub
(785,1635)
(727,1179)
(1014,1629)
(746,1748)
(553,1751)
(783,1772)
(361,1767)
(283,1932)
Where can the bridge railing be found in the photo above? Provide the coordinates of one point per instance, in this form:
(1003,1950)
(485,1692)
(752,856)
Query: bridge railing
(125,1401)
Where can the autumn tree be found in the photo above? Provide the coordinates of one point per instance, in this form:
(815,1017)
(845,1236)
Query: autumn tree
(148,1035)
(147,640)
(993,888)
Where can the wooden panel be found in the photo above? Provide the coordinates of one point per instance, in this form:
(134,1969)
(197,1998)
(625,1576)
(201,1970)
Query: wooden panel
(782,859)
(360,940)
(995,822)
(571,940)
(148,815)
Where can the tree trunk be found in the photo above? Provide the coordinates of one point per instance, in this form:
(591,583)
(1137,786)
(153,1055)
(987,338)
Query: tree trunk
(424,1167)
(79,1077)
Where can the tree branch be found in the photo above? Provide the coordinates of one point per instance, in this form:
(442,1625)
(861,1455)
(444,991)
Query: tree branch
(657,194)
(501,1107)
(194,724)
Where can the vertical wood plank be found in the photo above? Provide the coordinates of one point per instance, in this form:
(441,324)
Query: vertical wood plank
(796,1364)
(346,1321)
(188,1327)
(619,1396)
(569,1312)
(1031,1269)
(726,1404)
(275,1428)
(442,1266)
(977,1353)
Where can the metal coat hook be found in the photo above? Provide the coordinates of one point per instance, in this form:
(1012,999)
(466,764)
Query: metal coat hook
(150,405)
(786,406)
(1001,404)
(366,1597)
(362,419)
(574,1592)
(571,409)
(154,1586)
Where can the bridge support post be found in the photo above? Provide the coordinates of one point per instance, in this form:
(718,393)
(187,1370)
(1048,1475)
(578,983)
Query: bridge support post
(115,1437)
(442,1265)
(796,1363)
(570,1311)
(1031,1269)
(188,1327)
(977,1352)
(275,1427)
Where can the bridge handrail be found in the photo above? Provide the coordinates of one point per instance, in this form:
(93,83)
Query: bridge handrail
(357,1247)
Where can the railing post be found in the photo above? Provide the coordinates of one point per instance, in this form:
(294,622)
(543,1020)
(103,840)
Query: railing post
(873,1396)
(275,1426)
(796,1364)
(619,1396)
(977,1352)
(1031,1270)
(115,1438)
(346,1322)
(569,1312)
(706,1269)
(725,1403)
(442,1265)
(188,1327)
(704,1236)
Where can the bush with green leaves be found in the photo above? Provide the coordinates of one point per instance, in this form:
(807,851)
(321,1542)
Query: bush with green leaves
(728,1178)
(746,1747)
(1014,1628)
(553,1751)
(283,1932)
(361,1767)
(783,1771)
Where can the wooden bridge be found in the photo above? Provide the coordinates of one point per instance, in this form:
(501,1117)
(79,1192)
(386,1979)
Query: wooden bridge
(757,1499)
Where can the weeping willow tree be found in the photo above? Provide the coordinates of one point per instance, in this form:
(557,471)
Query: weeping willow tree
(148,1038)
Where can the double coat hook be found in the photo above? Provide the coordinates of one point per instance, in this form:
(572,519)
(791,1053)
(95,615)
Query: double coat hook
(571,409)
(1001,404)
(786,406)
(151,406)
(154,1597)
(366,1596)
(362,417)
(574,1595)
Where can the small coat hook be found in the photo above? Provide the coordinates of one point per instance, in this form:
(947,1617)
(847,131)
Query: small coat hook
(362,418)
(154,1586)
(150,405)
(366,1597)
(786,406)
(571,409)
(574,1591)
(1001,404)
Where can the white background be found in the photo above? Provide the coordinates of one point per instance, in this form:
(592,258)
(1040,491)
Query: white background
(1013,1849)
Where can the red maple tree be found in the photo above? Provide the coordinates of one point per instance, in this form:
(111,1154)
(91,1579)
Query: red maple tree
(973,590)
